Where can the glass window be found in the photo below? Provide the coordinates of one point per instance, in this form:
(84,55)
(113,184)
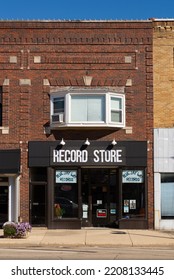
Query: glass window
(133,198)
(38,174)
(97,108)
(58,105)
(87,108)
(167,196)
(66,194)
(116,109)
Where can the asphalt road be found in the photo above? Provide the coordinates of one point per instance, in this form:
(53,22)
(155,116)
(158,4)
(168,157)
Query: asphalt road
(86,253)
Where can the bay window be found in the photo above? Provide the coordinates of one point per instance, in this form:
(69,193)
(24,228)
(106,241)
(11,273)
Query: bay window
(87,109)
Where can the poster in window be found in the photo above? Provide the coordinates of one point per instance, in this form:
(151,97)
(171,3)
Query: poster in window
(101,213)
(133,176)
(126,206)
(66,176)
(132,204)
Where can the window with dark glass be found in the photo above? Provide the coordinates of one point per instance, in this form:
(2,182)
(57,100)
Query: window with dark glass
(66,194)
(38,174)
(58,105)
(133,194)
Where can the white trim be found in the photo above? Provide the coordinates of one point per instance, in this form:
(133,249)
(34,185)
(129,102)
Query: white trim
(13,198)
(67,110)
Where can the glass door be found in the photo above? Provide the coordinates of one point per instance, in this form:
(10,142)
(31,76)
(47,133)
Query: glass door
(3,204)
(100,196)
(38,204)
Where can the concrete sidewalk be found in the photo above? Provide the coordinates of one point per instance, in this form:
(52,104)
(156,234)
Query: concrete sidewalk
(92,237)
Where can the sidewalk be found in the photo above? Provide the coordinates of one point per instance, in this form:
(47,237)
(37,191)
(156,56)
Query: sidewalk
(92,237)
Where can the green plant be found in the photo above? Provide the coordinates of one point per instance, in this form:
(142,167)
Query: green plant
(9,229)
(16,230)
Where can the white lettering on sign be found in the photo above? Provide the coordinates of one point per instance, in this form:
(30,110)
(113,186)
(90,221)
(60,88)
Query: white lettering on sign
(70,156)
(78,156)
(107,156)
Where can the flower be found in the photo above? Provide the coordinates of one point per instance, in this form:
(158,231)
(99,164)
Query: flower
(58,210)
(22,229)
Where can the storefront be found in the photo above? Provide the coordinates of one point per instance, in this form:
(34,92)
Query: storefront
(92,183)
(164,178)
(9,185)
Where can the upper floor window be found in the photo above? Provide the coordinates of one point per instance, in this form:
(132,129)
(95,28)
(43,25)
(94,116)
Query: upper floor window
(87,109)
(58,105)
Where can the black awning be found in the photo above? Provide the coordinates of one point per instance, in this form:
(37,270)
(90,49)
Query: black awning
(10,161)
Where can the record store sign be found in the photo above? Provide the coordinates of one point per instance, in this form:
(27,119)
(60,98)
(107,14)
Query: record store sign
(92,156)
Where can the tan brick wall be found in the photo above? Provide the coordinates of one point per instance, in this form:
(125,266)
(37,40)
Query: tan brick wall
(163,63)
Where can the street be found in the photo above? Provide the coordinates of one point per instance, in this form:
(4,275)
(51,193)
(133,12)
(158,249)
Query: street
(86,253)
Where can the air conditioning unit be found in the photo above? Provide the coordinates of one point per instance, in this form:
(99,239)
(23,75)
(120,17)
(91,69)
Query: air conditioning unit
(58,118)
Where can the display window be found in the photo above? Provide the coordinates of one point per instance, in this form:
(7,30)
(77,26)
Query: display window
(65,194)
(167,196)
(133,194)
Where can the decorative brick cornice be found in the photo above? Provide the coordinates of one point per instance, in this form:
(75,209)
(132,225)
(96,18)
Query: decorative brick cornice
(104,39)
(163,25)
(63,32)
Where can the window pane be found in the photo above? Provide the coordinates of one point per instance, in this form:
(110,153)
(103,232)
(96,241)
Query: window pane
(96,108)
(133,205)
(116,116)
(87,108)
(58,104)
(78,108)
(116,109)
(66,194)
(167,199)
(116,103)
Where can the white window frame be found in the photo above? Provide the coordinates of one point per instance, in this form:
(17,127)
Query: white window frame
(67,109)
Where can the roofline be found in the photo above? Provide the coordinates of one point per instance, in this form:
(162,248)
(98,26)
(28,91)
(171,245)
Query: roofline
(162,19)
(74,20)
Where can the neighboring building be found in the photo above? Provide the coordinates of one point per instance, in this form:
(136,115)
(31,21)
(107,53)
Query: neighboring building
(76,135)
(163,63)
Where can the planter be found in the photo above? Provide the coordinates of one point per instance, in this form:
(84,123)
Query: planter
(24,236)
(16,230)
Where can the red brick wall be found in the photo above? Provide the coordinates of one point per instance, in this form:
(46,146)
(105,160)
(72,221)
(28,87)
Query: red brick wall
(65,52)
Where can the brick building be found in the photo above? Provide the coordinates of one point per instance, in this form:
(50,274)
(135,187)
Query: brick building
(76,137)
(163,61)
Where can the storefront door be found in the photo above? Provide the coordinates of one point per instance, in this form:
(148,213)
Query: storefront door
(3,204)
(38,204)
(100,197)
